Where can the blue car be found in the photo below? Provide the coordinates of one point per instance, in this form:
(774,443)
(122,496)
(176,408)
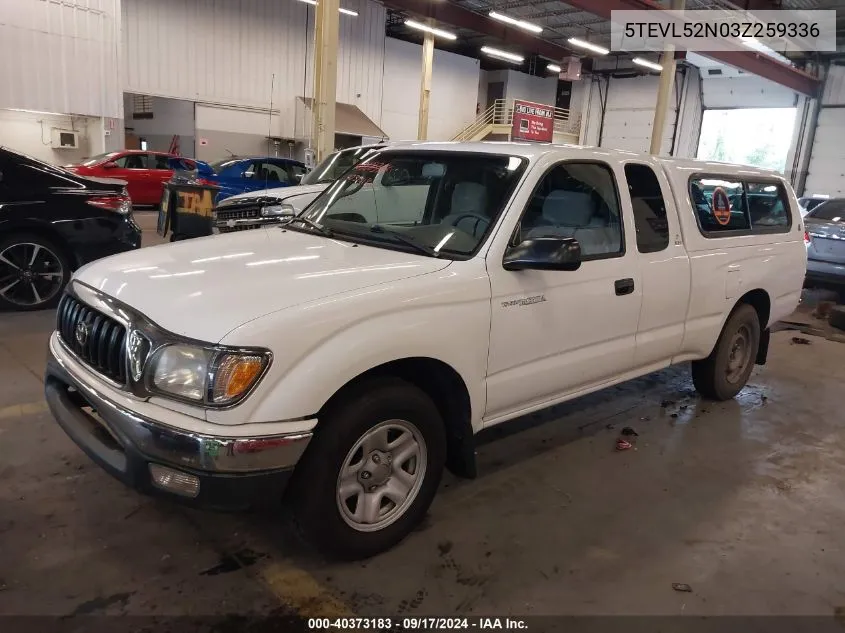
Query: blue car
(242,175)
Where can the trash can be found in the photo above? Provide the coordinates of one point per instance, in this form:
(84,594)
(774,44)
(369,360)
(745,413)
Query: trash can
(186,210)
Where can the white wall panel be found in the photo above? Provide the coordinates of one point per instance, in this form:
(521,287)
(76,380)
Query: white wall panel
(745,92)
(453,100)
(226,52)
(531,88)
(60,56)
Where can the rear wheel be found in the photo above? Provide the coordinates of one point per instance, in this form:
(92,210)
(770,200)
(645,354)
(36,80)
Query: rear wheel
(33,272)
(724,373)
(372,469)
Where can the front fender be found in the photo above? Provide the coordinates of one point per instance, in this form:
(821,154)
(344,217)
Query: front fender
(320,347)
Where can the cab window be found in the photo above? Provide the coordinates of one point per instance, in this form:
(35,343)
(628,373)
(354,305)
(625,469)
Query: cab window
(726,206)
(579,200)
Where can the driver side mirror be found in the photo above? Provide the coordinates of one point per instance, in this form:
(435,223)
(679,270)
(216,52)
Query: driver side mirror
(544,253)
(110,165)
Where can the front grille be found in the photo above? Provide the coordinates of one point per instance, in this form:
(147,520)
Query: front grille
(238,214)
(239,227)
(102,346)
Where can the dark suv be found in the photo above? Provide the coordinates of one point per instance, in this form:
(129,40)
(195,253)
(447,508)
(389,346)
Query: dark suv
(51,222)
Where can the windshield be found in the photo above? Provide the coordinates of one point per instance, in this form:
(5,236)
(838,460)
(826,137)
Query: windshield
(99,158)
(438,202)
(334,165)
(831,211)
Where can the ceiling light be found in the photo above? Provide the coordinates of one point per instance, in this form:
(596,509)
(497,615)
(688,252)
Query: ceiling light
(342,10)
(601,50)
(520,23)
(553,67)
(647,64)
(428,29)
(495,52)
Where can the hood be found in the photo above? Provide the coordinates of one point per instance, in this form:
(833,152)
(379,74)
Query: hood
(204,288)
(280,193)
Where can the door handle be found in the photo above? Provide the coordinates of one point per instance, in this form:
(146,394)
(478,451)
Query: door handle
(624,286)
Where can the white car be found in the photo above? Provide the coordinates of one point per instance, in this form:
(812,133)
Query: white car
(344,358)
(255,209)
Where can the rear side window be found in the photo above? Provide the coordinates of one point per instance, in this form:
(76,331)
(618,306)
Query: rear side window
(649,208)
(725,206)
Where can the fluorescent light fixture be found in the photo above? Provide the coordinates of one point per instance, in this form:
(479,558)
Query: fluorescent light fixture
(553,67)
(429,29)
(342,10)
(647,64)
(601,50)
(495,52)
(519,23)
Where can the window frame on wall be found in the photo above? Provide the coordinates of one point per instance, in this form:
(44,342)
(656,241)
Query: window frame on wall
(743,181)
(518,230)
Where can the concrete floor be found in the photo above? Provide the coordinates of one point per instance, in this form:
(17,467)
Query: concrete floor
(741,500)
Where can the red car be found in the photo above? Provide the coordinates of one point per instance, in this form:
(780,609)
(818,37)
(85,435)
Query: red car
(144,172)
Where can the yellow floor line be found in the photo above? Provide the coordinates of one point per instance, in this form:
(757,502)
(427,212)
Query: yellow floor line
(300,591)
(18,410)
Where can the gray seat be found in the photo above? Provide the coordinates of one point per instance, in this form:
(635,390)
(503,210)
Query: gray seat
(572,214)
(468,197)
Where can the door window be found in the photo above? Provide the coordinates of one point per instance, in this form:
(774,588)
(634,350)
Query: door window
(578,200)
(160,161)
(649,208)
(272,173)
(132,161)
(726,207)
(295,173)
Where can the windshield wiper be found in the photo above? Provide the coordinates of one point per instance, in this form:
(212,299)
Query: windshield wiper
(407,239)
(322,230)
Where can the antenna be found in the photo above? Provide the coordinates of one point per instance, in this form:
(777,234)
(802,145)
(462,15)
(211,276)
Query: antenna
(270,112)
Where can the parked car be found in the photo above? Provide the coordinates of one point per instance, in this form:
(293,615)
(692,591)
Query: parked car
(432,291)
(240,175)
(825,239)
(51,222)
(144,172)
(255,209)
(808,203)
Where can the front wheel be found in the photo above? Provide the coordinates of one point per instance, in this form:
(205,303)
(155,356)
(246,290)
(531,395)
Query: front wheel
(372,469)
(724,373)
(33,272)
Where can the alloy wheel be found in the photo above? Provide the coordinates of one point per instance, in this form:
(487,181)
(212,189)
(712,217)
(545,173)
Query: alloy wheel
(30,274)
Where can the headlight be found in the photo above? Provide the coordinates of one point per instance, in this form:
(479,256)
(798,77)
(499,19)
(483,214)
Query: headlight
(206,375)
(276,210)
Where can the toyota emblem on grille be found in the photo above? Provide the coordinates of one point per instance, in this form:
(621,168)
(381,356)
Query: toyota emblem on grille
(82,332)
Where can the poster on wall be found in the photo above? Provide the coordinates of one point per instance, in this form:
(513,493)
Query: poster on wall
(532,122)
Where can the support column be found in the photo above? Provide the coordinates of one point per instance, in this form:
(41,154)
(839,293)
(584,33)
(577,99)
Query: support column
(664,93)
(325,77)
(425,87)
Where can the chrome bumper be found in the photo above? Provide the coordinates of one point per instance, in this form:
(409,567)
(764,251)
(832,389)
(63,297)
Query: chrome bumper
(140,438)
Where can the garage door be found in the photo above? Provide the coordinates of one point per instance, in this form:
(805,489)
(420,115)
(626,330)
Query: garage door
(826,170)
(630,115)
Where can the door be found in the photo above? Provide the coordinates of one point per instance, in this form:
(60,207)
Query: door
(134,169)
(563,96)
(495,91)
(160,173)
(663,263)
(554,333)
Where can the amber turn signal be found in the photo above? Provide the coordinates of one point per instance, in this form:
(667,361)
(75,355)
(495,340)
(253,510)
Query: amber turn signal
(235,375)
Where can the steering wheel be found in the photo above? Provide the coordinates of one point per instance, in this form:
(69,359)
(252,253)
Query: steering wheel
(478,220)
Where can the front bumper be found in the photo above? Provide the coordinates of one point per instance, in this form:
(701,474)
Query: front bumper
(232,472)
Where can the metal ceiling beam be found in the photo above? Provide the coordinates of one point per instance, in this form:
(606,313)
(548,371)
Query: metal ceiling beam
(454,15)
(756,63)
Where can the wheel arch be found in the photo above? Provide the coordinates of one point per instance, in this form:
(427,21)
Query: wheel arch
(44,231)
(447,390)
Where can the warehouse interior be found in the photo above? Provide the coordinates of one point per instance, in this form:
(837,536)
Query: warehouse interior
(720,509)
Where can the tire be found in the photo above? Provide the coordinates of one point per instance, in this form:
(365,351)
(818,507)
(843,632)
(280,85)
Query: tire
(33,272)
(722,375)
(379,409)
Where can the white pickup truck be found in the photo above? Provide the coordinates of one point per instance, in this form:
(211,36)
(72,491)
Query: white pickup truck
(343,359)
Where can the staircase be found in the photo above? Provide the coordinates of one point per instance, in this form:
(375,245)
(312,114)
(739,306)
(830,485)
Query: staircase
(497,120)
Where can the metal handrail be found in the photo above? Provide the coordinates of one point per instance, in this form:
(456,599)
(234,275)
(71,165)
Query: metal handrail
(500,112)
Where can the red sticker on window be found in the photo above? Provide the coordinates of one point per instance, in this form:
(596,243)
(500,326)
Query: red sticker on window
(721,206)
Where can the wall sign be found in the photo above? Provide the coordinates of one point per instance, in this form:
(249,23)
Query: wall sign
(721,206)
(532,122)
